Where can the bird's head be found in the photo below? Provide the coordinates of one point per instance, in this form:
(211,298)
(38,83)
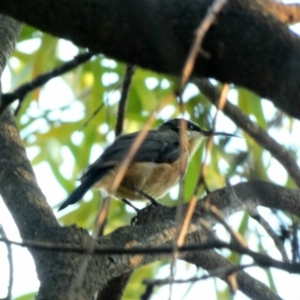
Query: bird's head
(194,133)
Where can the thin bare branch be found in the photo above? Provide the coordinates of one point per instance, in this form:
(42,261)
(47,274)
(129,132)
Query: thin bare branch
(183,225)
(24,89)
(210,260)
(91,117)
(218,272)
(279,243)
(201,177)
(129,72)
(235,236)
(201,31)
(295,242)
(260,259)
(10,263)
(103,213)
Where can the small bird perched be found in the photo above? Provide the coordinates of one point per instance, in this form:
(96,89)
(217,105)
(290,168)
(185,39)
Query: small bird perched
(153,171)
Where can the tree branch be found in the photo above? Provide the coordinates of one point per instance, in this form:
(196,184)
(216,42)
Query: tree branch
(21,92)
(210,260)
(159,34)
(255,131)
(34,217)
(10,263)
(158,228)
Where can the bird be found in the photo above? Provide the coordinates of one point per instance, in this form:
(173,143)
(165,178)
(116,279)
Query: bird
(155,168)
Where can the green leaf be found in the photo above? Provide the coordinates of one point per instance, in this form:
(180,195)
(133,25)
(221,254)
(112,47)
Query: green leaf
(29,296)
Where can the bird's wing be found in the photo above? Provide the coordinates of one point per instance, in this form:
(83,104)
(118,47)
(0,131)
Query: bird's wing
(80,191)
(158,147)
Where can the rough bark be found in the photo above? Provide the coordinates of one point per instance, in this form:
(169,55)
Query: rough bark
(57,270)
(247,44)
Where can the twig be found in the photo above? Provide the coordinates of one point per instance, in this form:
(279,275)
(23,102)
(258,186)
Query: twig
(220,105)
(261,259)
(129,72)
(182,230)
(295,243)
(21,91)
(102,217)
(235,236)
(219,272)
(103,213)
(86,122)
(10,263)
(204,26)
(202,29)
(178,218)
(256,132)
(277,241)
(193,200)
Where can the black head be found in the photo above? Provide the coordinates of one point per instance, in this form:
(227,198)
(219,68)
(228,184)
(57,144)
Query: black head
(174,125)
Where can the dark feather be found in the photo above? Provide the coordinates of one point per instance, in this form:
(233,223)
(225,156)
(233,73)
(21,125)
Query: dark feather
(158,147)
(87,181)
(152,148)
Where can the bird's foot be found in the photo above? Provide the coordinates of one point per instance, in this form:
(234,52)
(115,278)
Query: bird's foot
(134,219)
(131,205)
(151,199)
(154,203)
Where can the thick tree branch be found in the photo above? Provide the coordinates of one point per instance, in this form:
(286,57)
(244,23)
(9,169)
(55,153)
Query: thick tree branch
(37,222)
(248,45)
(210,260)
(249,194)
(19,190)
(196,254)
(19,186)
(9,30)
(159,229)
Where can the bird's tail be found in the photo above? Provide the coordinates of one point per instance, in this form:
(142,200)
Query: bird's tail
(88,181)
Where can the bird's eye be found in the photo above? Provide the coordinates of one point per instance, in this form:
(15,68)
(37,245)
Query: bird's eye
(191,126)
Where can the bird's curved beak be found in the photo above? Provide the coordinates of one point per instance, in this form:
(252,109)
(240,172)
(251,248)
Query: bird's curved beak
(211,133)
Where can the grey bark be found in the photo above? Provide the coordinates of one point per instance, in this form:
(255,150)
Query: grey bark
(247,45)
(58,271)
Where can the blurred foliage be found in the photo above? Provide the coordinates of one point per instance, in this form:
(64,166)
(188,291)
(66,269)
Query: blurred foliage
(53,125)
(29,296)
